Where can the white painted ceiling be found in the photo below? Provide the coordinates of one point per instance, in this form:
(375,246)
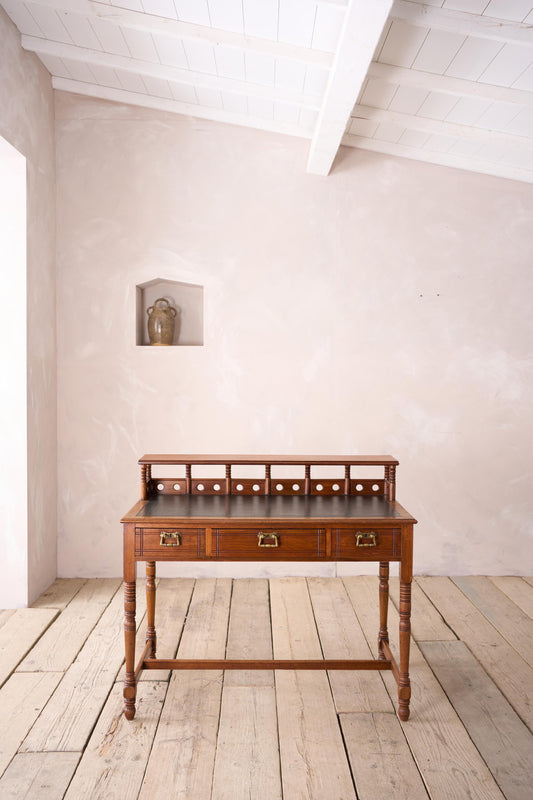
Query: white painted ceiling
(446,81)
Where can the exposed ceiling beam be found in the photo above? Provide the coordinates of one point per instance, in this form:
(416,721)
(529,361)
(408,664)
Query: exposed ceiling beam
(151,23)
(176,107)
(444,159)
(338,3)
(363,25)
(168,73)
(443,128)
(462,22)
(447,85)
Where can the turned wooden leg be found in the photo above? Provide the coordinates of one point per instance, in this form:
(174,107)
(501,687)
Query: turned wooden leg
(150,607)
(383,635)
(404,686)
(129,640)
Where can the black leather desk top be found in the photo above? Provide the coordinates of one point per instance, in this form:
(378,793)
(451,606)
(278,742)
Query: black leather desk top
(282,507)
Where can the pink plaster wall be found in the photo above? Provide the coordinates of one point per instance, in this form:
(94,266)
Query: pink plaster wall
(385,308)
(27,122)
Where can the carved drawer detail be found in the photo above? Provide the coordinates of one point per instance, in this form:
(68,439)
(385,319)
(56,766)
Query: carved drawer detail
(170,544)
(269,544)
(366,544)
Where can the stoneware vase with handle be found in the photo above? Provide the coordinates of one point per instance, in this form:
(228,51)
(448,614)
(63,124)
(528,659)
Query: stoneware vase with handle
(161,322)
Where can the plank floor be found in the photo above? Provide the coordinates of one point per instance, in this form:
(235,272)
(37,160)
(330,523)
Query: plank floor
(263,735)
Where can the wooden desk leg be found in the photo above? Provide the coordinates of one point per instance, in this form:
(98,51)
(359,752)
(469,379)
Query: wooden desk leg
(406,576)
(150,607)
(404,685)
(383,635)
(130,572)
(129,640)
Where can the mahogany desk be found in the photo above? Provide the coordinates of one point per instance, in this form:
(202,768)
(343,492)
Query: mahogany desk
(301,518)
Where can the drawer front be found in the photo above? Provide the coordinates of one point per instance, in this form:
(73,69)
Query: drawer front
(269,544)
(170,544)
(366,544)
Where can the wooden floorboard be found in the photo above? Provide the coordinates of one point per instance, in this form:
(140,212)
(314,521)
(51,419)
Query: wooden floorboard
(60,593)
(510,621)
(183,755)
(22,699)
(427,623)
(5,614)
(341,636)
(265,735)
(519,591)
(249,632)
(505,743)
(505,666)
(381,761)
(68,718)
(450,764)
(114,743)
(62,641)
(18,635)
(247,759)
(38,776)
(312,756)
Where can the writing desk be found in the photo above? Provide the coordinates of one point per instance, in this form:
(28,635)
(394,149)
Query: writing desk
(303,517)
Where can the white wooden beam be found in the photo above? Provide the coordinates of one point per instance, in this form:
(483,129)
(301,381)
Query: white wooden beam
(338,3)
(462,22)
(447,85)
(176,107)
(168,73)
(151,23)
(444,159)
(363,24)
(442,128)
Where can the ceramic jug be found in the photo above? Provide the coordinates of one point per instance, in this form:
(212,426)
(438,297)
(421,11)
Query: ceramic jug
(161,321)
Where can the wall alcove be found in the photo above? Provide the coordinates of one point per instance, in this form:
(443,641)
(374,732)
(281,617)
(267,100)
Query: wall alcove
(186,298)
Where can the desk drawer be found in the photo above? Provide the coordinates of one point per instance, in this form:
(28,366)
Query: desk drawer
(366,544)
(269,544)
(170,544)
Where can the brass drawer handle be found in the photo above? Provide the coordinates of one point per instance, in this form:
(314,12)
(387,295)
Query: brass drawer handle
(262,536)
(365,539)
(166,535)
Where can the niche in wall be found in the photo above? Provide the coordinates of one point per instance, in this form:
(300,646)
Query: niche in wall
(186,298)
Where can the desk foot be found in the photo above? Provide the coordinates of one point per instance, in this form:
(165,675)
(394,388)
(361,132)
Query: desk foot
(404,697)
(403,710)
(381,652)
(129,694)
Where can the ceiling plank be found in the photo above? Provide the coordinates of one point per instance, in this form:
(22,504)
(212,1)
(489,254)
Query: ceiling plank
(363,25)
(151,23)
(177,107)
(165,72)
(447,85)
(443,159)
(462,22)
(442,127)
